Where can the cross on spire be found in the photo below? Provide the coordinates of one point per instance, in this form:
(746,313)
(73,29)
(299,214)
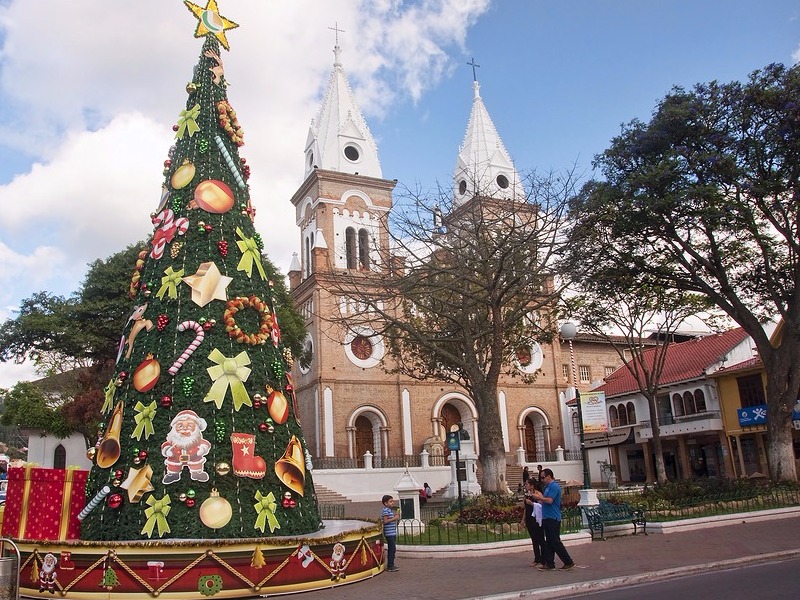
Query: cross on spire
(473,64)
(336,29)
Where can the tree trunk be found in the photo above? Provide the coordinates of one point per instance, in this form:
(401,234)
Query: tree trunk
(782,391)
(661,471)
(492,454)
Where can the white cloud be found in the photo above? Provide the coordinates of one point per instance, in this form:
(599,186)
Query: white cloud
(796,56)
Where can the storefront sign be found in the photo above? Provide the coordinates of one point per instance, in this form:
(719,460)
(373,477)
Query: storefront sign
(593,411)
(752,415)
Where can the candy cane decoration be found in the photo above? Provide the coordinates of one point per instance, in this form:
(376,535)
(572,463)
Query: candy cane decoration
(170,227)
(201,334)
(95,501)
(229,161)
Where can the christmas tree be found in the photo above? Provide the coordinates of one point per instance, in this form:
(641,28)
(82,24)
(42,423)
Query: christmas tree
(201,437)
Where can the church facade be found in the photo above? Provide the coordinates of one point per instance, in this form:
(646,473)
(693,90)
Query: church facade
(348,402)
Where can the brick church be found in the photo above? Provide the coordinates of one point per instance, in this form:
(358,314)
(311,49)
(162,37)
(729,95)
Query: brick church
(349,404)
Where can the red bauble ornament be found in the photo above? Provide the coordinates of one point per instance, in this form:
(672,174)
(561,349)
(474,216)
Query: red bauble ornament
(190,502)
(292,503)
(162,322)
(118,474)
(174,128)
(263,428)
(166,401)
(146,375)
(168,163)
(208,228)
(256,403)
(209,324)
(223,248)
(143,455)
(115,500)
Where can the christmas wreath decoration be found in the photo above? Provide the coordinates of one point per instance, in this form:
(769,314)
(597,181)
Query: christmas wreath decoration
(233,306)
(229,122)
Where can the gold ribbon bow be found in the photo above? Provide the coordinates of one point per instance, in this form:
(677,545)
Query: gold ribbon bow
(228,372)
(187,122)
(265,508)
(250,254)
(157,515)
(144,420)
(108,402)
(169,283)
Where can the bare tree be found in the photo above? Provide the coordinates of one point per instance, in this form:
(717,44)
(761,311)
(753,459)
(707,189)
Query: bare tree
(465,288)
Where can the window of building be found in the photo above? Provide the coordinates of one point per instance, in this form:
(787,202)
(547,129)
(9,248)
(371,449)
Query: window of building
(584,374)
(613,416)
(565,372)
(363,249)
(576,428)
(700,400)
(609,371)
(60,457)
(631,410)
(751,390)
(677,405)
(350,247)
(688,403)
(622,415)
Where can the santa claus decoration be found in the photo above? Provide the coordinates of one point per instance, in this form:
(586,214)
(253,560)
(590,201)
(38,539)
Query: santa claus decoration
(185,447)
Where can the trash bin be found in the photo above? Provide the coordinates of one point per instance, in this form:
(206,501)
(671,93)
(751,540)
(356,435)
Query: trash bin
(9,570)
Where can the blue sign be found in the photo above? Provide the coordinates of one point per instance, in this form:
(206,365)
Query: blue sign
(753,415)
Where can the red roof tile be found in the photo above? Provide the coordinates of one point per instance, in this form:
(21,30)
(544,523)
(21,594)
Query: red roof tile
(684,361)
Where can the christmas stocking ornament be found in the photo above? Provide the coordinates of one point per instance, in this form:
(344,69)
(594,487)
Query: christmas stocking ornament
(245,461)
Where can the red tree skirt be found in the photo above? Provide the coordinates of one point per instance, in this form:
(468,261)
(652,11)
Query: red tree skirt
(342,552)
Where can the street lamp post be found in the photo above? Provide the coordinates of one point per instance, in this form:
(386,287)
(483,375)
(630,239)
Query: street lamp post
(588,495)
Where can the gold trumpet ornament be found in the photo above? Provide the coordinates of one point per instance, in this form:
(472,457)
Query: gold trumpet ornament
(291,469)
(109,449)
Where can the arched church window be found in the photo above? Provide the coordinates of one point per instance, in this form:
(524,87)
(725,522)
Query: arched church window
(688,403)
(462,187)
(59,457)
(350,247)
(363,249)
(677,405)
(307,258)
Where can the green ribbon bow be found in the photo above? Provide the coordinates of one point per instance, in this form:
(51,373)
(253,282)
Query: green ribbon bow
(250,254)
(265,508)
(169,283)
(109,392)
(157,515)
(228,372)
(187,122)
(144,420)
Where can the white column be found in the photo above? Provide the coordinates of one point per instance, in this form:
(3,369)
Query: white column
(503,419)
(405,403)
(327,408)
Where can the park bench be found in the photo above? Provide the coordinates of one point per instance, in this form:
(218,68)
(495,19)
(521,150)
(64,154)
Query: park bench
(607,513)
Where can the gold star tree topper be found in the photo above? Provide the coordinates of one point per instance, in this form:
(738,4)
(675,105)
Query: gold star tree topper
(209,21)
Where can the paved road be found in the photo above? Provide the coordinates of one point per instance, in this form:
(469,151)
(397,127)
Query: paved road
(773,580)
(627,560)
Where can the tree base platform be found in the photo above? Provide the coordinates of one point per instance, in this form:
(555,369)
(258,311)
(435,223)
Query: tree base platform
(344,551)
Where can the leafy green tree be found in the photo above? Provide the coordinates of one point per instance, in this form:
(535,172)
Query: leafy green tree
(703,198)
(638,321)
(26,406)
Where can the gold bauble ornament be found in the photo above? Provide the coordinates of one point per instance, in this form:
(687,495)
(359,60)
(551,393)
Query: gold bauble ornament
(191,87)
(213,196)
(183,175)
(223,468)
(90,453)
(215,511)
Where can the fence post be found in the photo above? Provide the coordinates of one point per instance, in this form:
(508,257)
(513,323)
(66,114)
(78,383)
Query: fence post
(560,454)
(368,460)
(423,459)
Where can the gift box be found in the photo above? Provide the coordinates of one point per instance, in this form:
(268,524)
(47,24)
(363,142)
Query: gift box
(43,504)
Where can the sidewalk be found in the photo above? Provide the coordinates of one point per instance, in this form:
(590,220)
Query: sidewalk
(624,560)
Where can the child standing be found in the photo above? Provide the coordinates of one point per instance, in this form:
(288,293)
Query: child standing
(389,518)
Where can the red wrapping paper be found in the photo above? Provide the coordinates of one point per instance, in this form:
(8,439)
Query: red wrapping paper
(43,504)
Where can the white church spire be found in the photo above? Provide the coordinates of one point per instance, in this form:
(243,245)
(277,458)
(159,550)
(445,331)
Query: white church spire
(483,166)
(339,138)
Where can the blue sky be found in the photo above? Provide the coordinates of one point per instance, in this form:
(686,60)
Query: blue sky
(89,96)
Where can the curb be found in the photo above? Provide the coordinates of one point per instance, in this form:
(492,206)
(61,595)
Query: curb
(586,587)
